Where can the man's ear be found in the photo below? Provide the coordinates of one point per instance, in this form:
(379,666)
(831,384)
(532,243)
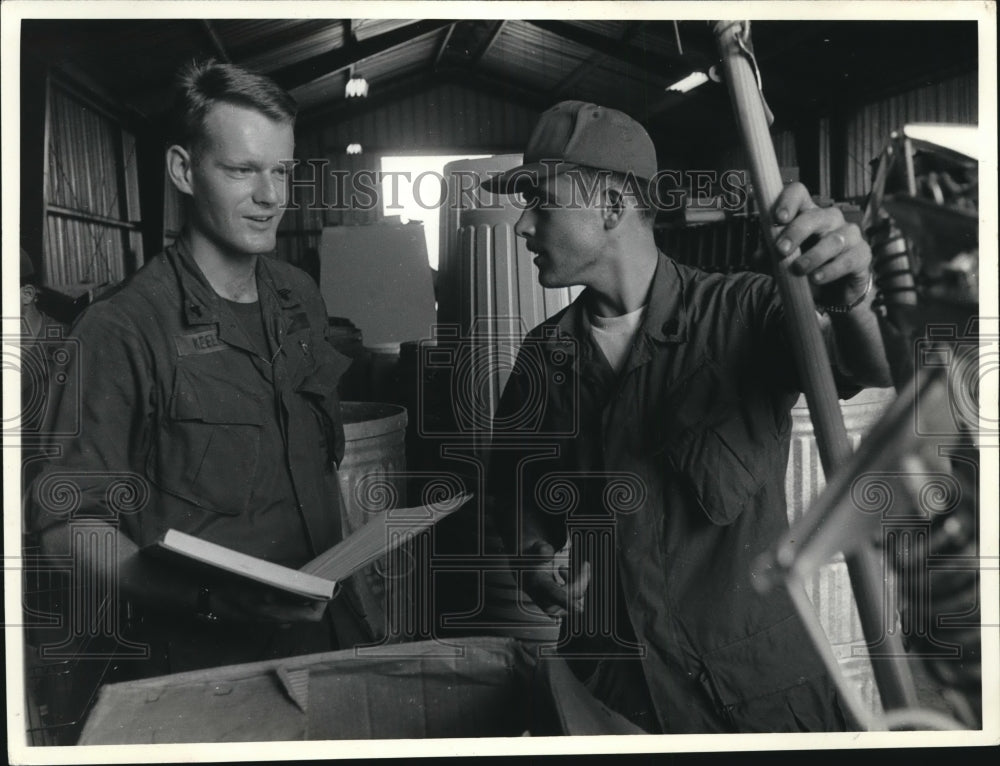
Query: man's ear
(28,294)
(179,168)
(614,207)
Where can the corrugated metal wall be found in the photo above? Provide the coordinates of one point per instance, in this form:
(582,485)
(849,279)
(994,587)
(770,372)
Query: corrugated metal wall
(824,158)
(865,132)
(455,118)
(92,196)
(868,128)
(735,156)
(448,118)
(955,100)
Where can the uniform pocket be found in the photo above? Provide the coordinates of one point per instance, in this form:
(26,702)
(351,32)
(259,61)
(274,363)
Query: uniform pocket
(711,445)
(207,448)
(772,681)
(723,483)
(317,384)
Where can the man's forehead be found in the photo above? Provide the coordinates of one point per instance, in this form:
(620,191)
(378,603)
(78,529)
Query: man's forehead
(225,113)
(232,125)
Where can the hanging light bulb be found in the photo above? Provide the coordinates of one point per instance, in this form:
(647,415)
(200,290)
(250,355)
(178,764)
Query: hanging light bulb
(357,87)
(354,148)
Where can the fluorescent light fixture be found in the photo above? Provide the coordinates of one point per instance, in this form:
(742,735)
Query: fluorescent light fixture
(690,82)
(354,148)
(357,87)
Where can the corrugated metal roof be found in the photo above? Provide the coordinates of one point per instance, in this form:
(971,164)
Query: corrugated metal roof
(378,70)
(618,84)
(804,64)
(613,30)
(362,29)
(242,34)
(660,37)
(400,60)
(528,54)
(322,90)
(266,45)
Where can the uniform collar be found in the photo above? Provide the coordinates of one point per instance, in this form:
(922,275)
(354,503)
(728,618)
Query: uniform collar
(201,303)
(666,313)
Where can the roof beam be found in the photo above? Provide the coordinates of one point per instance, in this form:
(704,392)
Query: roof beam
(213,36)
(652,63)
(303,72)
(442,46)
(491,38)
(780,40)
(343,109)
(631,30)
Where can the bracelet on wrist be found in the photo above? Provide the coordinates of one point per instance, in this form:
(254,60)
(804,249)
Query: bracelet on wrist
(846,308)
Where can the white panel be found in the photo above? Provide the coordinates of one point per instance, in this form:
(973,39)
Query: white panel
(378,277)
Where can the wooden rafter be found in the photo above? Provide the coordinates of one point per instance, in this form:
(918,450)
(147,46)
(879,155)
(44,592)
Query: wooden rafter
(216,41)
(443,46)
(491,38)
(304,72)
(653,63)
(631,30)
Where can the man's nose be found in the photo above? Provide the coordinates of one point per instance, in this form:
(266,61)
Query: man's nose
(266,191)
(525,226)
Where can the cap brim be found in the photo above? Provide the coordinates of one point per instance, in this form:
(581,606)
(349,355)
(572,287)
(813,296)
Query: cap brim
(523,177)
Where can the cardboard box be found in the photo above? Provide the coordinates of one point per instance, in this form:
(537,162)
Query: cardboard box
(469,687)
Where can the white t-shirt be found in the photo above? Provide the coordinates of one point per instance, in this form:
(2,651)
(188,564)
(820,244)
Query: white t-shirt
(614,335)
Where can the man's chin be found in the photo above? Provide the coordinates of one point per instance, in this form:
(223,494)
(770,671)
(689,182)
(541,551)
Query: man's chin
(261,245)
(552,283)
(548,280)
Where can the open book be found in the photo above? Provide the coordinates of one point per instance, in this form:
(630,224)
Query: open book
(318,578)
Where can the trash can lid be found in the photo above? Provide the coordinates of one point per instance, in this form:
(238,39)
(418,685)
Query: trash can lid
(366,419)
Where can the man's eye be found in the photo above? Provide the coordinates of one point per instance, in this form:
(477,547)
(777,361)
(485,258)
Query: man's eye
(281,172)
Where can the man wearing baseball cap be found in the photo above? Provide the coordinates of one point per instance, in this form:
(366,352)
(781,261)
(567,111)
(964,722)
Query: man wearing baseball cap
(678,385)
(575,134)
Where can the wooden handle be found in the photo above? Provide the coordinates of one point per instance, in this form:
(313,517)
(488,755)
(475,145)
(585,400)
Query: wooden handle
(811,358)
(804,333)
